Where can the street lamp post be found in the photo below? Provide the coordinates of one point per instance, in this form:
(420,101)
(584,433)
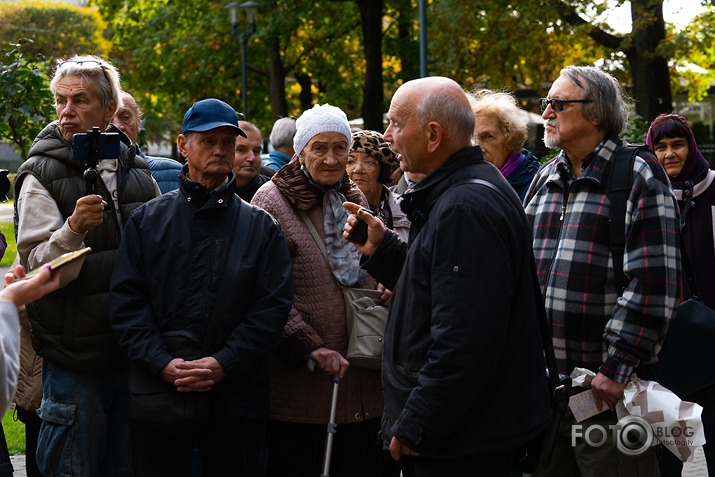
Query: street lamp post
(234,11)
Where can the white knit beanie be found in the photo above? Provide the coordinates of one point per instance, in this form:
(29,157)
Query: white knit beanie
(319,119)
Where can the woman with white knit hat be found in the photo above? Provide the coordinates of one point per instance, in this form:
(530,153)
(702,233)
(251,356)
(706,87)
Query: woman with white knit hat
(311,188)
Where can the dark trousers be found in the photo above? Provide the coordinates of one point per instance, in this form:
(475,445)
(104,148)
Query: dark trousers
(229,446)
(32,430)
(297,450)
(489,465)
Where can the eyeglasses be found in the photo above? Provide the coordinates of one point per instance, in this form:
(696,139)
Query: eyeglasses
(557,104)
(92,62)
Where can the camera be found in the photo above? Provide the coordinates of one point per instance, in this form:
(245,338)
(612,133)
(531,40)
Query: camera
(92,146)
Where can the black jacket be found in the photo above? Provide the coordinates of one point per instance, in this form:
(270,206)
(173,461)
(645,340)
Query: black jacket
(463,370)
(168,272)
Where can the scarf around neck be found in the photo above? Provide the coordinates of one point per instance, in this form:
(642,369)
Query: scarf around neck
(305,194)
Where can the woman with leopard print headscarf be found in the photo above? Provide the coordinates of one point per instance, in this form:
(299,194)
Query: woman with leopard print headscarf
(370,164)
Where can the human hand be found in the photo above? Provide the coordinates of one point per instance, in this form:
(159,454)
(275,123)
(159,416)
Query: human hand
(375,228)
(21,291)
(188,375)
(606,390)
(87,214)
(398,449)
(386,294)
(330,361)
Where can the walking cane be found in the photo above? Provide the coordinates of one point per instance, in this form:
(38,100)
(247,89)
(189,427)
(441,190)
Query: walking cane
(332,426)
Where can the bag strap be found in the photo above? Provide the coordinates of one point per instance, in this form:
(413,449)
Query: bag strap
(314,233)
(688,270)
(546,339)
(318,241)
(620,183)
(238,238)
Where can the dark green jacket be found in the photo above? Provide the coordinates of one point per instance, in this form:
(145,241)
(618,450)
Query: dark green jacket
(70,326)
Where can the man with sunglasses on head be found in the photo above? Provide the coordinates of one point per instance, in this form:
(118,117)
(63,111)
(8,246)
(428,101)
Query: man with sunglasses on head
(85,429)
(597,324)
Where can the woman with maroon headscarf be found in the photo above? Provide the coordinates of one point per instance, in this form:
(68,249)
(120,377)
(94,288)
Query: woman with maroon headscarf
(672,140)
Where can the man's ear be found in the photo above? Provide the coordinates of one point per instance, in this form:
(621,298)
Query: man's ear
(109,111)
(435,135)
(181,142)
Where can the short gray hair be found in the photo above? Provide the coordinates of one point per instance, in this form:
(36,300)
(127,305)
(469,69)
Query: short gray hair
(105,76)
(283,133)
(608,105)
(456,117)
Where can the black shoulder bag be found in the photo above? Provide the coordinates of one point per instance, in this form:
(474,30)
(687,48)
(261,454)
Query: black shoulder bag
(155,404)
(535,455)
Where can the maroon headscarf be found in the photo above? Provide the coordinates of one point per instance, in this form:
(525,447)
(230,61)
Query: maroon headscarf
(696,166)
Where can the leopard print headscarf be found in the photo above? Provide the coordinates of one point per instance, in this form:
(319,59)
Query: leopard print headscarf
(372,143)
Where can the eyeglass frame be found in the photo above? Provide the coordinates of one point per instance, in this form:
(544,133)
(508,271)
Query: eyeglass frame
(544,103)
(79,63)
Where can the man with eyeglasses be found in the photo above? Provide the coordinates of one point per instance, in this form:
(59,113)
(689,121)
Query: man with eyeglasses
(596,324)
(84,409)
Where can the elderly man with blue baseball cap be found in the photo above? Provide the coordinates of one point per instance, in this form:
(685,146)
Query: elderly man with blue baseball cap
(200,295)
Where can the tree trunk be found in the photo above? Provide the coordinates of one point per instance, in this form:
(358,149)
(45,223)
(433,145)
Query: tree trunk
(407,48)
(373,95)
(649,70)
(276,81)
(306,95)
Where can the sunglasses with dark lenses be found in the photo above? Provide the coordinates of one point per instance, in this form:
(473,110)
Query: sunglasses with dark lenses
(557,104)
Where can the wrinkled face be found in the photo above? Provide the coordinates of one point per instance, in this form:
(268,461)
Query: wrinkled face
(672,153)
(79,107)
(325,157)
(488,136)
(566,127)
(247,157)
(405,137)
(209,155)
(127,120)
(364,170)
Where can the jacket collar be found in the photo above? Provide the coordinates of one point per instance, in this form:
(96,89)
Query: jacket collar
(417,201)
(222,196)
(594,169)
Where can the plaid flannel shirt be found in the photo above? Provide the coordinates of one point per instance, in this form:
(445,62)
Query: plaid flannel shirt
(593,327)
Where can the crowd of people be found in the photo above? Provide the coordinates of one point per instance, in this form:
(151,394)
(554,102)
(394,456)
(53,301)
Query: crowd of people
(214,288)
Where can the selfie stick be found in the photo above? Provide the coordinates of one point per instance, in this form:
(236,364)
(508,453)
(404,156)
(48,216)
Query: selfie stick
(90,175)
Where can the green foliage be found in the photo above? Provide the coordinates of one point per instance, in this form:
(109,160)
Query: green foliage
(636,130)
(26,103)
(172,54)
(8,231)
(14,433)
(58,30)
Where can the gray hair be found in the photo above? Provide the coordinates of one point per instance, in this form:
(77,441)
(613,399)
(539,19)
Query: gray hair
(128,101)
(105,76)
(456,117)
(283,133)
(607,106)
(504,108)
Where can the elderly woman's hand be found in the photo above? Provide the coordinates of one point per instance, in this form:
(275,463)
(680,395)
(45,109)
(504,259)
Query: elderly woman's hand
(375,228)
(330,361)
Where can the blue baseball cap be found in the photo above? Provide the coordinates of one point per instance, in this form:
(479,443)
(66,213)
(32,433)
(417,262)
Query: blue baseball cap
(210,114)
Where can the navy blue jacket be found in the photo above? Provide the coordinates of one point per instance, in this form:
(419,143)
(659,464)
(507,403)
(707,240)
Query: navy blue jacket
(463,370)
(521,178)
(170,266)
